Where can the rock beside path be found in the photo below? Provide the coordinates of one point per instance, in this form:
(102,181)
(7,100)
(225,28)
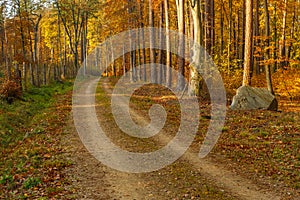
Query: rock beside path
(249,98)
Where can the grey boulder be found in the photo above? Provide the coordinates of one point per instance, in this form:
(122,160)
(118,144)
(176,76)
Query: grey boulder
(249,98)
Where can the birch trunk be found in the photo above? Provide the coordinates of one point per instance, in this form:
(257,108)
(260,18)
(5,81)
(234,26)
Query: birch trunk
(194,85)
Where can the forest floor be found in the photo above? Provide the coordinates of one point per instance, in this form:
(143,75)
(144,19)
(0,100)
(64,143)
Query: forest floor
(257,156)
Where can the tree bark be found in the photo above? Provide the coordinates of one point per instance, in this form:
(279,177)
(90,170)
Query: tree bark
(283,62)
(248,43)
(229,37)
(168,46)
(255,60)
(131,42)
(24,76)
(8,67)
(243,32)
(142,42)
(221,30)
(124,60)
(152,44)
(194,85)
(139,69)
(60,45)
(292,37)
(267,54)
(35,59)
(181,51)
(45,74)
(65,53)
(160,54)
(209,26)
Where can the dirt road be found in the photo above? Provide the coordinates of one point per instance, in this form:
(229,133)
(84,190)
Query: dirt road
(187,178)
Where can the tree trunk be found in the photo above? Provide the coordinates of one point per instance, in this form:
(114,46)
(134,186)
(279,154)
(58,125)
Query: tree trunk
(65,53)
(209,26)
(229,37)
(255,60)
(238,40)
(134,74)
(24,76)
(275,40)
(131,65)
(248,43)
(114,70)
(22,38)
(267,54)
(160,54)
(221,30)
(60,45)
(139,69)
(243,32)
(212,18)
(283,61)
(289,49)
(168,46)
(141,32)
(152,44)
(97,58)
(181,51)
(35,59)
(45,74)
(107,55)
(124,60)
(18,77)
(142,35)
(194,89)
(31,71)
(8,67)
(82,54)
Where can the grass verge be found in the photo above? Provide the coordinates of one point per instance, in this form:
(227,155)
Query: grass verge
(31,160)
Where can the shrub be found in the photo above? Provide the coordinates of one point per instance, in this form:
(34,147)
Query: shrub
(10,89)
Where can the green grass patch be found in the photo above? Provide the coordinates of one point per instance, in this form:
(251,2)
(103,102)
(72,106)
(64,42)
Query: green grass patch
(31,182)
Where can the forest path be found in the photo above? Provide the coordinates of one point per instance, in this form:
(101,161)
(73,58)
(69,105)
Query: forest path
(188,178)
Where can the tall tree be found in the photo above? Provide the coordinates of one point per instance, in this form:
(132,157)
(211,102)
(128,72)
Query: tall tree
(275,40)
(283,36)
(142,38)
(267,54)
(168,46)
(209,26)
(161,43)
(21,9)
(131,25)
(152,44)
(194,88)
(293,28)
(248,43)
(35,52)
(5,40)
(242,51)
(71,15)
(256,59)
(229,36)
(181,51)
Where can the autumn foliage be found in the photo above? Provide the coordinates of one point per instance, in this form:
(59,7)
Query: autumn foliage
(10,89)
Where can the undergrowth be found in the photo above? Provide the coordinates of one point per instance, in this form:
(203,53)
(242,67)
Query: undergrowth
(30,130)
